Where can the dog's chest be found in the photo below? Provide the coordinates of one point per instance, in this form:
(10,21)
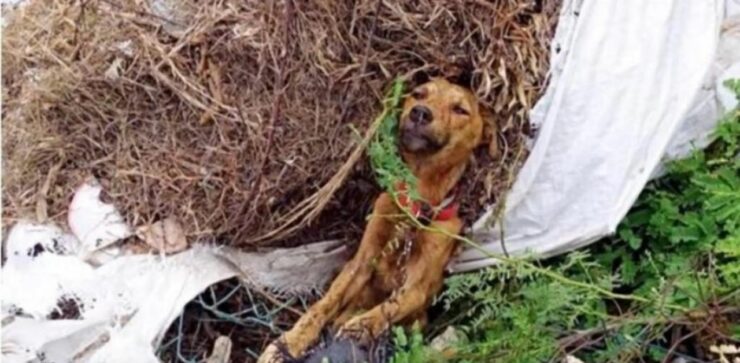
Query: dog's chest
(399,251)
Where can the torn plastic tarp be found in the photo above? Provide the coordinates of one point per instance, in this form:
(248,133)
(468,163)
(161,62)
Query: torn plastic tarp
(126,302)
(632,82)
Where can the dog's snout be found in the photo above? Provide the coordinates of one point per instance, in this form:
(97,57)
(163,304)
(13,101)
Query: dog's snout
(421,115)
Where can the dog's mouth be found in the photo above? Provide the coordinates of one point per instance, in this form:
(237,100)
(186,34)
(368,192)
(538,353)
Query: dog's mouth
(415,140)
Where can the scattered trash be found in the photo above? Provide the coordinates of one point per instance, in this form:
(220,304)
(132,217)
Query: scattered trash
(725,351)
(80,296)
(61,306)
(250,316)
(114,71)
(221,351)
(446,342)
(96,225)
(165,236)
(571,359)
(126,47)
(175,16)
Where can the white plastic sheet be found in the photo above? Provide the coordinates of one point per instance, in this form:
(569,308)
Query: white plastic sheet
(625,77)
(126,302)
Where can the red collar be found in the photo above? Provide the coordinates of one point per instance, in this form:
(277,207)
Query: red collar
(427,213)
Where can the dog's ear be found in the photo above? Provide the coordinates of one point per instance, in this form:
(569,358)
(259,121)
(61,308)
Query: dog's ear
(490,132)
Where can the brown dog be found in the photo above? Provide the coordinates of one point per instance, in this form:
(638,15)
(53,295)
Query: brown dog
(398,268)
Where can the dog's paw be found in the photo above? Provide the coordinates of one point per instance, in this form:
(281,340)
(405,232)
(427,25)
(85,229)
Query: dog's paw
(271,354)
(358,329)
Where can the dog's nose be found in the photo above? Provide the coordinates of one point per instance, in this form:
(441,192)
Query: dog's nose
(421,115)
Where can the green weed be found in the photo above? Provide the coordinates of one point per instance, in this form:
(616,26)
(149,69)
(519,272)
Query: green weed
(385,158)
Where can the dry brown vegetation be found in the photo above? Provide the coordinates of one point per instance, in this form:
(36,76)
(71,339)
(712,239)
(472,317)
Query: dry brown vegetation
(237,117)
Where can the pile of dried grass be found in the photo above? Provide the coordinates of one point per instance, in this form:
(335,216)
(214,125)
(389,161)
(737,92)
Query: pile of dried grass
(237,116)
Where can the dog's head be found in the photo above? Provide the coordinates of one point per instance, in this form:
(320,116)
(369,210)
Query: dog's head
(442,119)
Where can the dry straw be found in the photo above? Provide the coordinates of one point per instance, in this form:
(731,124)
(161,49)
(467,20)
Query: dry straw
(236,116)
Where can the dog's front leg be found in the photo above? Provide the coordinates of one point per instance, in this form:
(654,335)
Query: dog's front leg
(350,281)
(424,278)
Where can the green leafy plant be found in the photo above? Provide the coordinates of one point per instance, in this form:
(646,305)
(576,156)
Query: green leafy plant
(385,158)
(409,346)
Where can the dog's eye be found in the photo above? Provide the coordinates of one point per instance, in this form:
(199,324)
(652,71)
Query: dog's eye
(419,93)
(460,110)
